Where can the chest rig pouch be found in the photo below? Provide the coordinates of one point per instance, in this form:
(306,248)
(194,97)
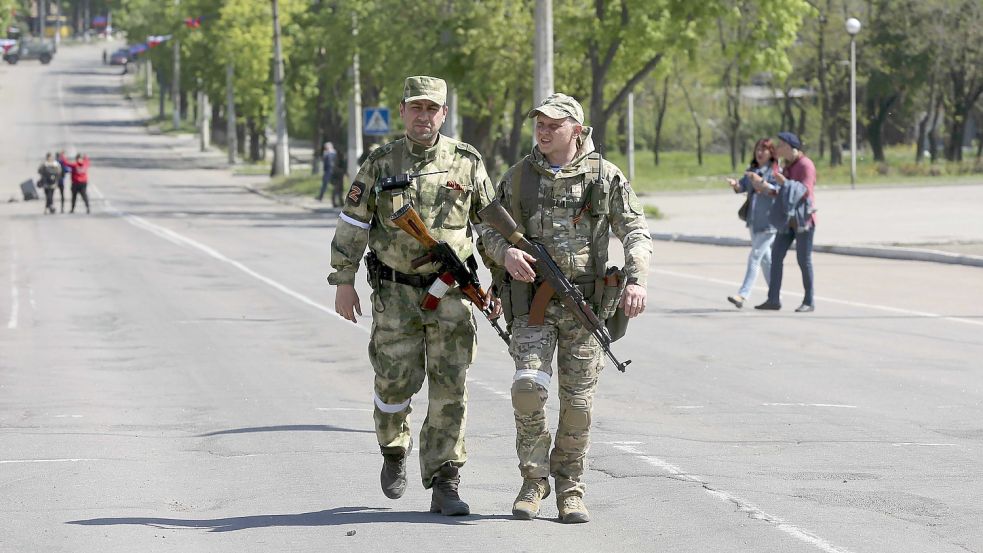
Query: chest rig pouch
(604,289)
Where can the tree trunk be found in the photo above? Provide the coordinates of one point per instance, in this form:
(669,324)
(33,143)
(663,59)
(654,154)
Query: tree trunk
(254,143)
(696,122)
(933,132)
(660,117)
(512,150)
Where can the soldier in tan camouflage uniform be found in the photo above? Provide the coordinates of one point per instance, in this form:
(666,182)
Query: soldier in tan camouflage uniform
(566,197)
(408,343)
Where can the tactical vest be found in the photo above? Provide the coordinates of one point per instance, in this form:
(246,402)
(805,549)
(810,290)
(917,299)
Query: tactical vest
(594,204)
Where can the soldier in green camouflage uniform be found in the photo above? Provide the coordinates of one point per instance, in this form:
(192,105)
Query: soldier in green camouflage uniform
(408,343)
(568,200)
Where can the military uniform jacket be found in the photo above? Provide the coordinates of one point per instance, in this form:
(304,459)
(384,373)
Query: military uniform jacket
(553,221)
(448,203)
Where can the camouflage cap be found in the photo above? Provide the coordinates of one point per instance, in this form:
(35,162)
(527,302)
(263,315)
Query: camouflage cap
(425,88)
(559,106)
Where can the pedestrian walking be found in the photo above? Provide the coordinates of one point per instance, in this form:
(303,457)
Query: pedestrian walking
(566,197)
(66,171)
(410,344)
(794,218)
(329,157)
(49,173)
(80,180)
(756,216)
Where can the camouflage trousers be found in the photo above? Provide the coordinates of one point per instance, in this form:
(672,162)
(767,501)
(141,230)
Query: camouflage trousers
(407,346)
(579,363)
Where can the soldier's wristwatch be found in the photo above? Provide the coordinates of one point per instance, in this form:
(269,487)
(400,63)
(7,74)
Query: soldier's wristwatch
(632,280)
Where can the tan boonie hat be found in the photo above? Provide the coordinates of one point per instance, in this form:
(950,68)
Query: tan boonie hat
(559,106)
(425,88)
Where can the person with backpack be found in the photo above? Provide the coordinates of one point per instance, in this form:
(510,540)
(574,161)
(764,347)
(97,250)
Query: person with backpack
(50,176)
(566,197)
(80,180)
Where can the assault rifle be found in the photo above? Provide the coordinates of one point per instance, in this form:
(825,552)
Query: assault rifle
(554,281)
(454,270)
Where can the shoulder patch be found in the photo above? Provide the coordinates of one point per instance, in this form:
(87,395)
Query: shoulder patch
(468,148)
(356,193)
(380,151)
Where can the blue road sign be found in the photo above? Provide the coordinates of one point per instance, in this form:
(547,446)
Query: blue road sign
(375,121)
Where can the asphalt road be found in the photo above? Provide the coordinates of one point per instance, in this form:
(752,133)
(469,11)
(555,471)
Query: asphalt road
(173,378)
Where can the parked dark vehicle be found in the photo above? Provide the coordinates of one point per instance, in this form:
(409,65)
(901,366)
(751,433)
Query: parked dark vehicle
(120,57)
(30,49)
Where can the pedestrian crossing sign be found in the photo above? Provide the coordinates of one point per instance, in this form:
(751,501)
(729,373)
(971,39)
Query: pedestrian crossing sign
(375,121)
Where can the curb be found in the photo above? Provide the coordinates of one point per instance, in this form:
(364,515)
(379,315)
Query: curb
(883,252)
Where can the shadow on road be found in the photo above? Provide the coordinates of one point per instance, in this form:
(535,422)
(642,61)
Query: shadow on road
(338,516)
(286,428)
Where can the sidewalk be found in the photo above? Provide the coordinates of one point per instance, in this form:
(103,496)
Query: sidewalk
(941,224)
(923,223)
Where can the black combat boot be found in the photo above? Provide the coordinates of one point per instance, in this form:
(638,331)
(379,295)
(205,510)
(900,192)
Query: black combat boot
(445,500)
(393,476)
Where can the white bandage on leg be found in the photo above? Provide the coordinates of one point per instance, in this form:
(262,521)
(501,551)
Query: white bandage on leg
(538,376)
(390,408)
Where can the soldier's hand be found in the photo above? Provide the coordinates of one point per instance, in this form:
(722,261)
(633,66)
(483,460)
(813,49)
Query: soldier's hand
(346,302)
(517,263)
(633,300)
(494,304)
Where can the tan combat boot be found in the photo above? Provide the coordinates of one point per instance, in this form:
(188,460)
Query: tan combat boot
(572,509)
(532,493)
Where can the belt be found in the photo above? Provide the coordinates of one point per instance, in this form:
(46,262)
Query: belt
(416,281)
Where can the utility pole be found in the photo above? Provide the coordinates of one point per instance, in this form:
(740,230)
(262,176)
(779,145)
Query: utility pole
(204,119)
(58,26)
(631,137)
(176,77)
(42,16)
(543,46)
(450,124)
(230,114)
(354,110)
(281,157)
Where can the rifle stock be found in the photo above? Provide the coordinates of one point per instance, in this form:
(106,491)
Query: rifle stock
(442,254)
(497,217)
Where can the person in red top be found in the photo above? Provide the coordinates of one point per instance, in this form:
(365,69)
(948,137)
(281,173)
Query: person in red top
(801,226)
(80,179)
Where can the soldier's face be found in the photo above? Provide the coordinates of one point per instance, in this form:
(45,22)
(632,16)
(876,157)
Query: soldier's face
(422,119)
(555,135)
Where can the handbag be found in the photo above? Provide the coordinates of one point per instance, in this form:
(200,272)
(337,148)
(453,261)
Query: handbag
(742,211)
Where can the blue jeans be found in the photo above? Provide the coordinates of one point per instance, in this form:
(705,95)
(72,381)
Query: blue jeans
(803,253)
(325,179)
(760,256)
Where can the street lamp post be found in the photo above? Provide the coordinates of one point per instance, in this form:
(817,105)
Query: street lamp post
(852,28)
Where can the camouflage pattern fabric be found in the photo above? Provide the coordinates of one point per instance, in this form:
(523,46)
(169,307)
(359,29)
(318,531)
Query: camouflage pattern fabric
(579,357)
(409,344)
(579,361)
(447,203)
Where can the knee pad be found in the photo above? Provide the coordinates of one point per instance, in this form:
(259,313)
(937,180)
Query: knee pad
(528,396)
(576,416)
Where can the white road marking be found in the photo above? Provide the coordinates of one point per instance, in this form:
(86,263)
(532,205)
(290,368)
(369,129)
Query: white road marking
(180,239)
(492,389)
(24,461)
(899,444)
(809,405)
(841,302)
(14,292)
(742,505)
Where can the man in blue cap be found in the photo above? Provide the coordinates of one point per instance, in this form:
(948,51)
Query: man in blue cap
(794,215)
